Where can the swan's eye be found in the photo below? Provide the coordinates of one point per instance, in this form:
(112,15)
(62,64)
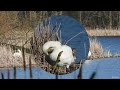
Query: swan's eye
(50,50)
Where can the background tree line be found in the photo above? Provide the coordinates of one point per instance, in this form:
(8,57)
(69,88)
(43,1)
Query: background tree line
(90,19)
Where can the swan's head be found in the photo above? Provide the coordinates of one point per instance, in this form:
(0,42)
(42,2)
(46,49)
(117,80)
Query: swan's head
(19,51)
(49,46)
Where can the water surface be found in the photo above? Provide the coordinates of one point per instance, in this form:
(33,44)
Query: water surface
(110,43)
(107,68)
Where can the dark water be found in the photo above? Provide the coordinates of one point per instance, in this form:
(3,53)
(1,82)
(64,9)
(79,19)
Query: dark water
(111,44)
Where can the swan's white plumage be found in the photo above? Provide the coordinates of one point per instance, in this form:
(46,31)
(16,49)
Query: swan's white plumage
(66,57)
(17,55)
(54,44)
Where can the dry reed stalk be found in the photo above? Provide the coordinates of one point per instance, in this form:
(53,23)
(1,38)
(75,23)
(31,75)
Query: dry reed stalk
(2,75)
(93,75)
(23,54)
(14,72)
(8,73)
(80,71)
(30,67)
(57,61)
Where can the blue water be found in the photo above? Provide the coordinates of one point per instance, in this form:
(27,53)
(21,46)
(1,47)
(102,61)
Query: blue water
(111,44)
(107,68)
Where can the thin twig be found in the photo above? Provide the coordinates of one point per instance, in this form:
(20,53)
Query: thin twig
(73,37)
(57,61)
(93,75)
(23,54)
(8,73)
(26,41)
(30,67)
(2,75)
(14,72)
(80,72)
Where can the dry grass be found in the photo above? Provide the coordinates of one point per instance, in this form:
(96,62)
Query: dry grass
(14,30)
(7,59)
(97,51)
(105,32)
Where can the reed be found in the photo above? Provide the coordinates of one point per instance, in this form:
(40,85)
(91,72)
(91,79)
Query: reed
(8,73)
(2,75)
(14,72)
(30,67)
(80,70)
(23,54)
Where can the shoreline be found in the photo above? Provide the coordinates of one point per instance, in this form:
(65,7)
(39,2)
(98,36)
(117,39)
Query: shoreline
(103,32)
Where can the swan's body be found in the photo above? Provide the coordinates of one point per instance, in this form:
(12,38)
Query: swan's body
(66,57)
(17,55)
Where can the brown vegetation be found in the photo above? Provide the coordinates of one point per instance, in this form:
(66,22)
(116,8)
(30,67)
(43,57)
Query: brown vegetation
(97,51)
(103,32)
(7,59)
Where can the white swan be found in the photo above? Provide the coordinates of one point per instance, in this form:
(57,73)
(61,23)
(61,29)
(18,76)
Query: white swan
(53,48)
(50,45)
(17,55)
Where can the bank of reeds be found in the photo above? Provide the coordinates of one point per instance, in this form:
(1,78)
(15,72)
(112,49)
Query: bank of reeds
(97,51)
(103,32)
(7,60)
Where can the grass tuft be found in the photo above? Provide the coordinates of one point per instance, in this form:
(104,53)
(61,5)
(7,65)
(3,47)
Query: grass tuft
(97,51)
